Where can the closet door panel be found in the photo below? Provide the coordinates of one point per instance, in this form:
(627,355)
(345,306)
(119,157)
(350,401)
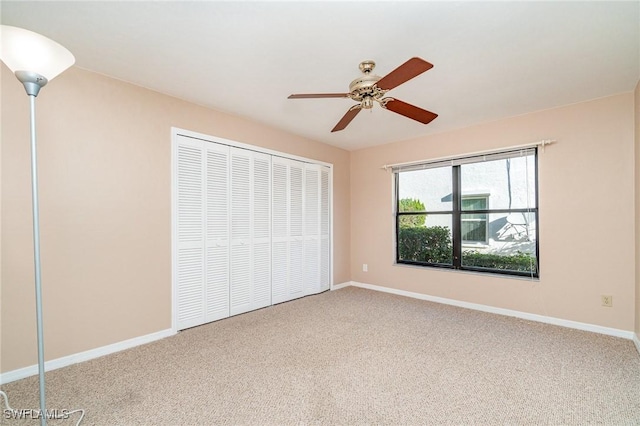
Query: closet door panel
(296,230)
(311,266)
(280,199)
(325,277)
(261,197)
(217,192)
(261,275)
(217,286)
(189,194)
(190,277)
(280,272)
(325,248)
(312,229)
(280,230)
(241,265)
(217,232)
(189,256)
(261,231)
(240,195)
(296,271)
(240,290)
(311,201)
(297,200)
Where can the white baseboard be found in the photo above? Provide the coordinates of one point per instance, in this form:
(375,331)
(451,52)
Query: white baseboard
(507,312)
(341,285)
(65,361)
(636,340)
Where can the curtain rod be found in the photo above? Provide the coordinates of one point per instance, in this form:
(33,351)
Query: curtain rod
(541,143)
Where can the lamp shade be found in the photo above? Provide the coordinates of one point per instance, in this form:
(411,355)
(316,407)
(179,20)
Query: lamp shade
(24,50)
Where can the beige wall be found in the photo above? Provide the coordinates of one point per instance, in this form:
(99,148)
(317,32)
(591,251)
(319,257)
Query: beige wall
(586,202)
(104,162)
(637,186)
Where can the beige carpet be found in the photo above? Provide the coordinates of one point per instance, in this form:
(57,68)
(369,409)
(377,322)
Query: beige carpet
(352,357)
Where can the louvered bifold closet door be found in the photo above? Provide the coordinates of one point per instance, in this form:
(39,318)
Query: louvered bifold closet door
(217,231)
(296,230)
(250,286)
(241,264)
(325,242)
(250,229)
(261,231)
(280,190)
(312,229)
(189,233)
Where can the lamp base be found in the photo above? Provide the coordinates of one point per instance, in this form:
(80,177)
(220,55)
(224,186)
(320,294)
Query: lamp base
(31,81)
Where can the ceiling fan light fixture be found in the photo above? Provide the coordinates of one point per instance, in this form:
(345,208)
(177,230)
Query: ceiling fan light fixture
(367,103)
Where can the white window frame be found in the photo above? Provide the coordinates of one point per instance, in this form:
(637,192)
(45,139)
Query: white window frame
(472,243)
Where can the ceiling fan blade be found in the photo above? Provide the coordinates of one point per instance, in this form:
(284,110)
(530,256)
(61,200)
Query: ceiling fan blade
(346,119)
(318,95)
(408,110)
(405,72)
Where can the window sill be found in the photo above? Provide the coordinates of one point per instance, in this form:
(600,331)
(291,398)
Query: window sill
(468,272)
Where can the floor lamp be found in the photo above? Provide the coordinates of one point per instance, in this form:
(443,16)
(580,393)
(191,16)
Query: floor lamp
(35,60)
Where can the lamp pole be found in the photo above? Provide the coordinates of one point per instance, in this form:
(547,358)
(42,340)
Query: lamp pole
(34,59)
(36,257)
(32,83)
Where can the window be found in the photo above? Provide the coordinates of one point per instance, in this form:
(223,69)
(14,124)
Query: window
(475,213)
(474,226)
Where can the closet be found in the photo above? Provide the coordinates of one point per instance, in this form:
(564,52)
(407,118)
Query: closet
(251,228)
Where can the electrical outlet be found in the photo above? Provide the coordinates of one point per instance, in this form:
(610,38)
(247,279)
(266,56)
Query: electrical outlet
(365,267)
(607,300)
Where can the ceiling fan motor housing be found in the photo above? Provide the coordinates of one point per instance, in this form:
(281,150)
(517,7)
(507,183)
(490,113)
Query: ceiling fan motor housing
(365,86)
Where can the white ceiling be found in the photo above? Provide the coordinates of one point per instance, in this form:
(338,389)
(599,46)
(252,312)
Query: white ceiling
(491,59)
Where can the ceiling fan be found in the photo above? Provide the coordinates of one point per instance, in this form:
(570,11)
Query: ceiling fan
(369,88)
